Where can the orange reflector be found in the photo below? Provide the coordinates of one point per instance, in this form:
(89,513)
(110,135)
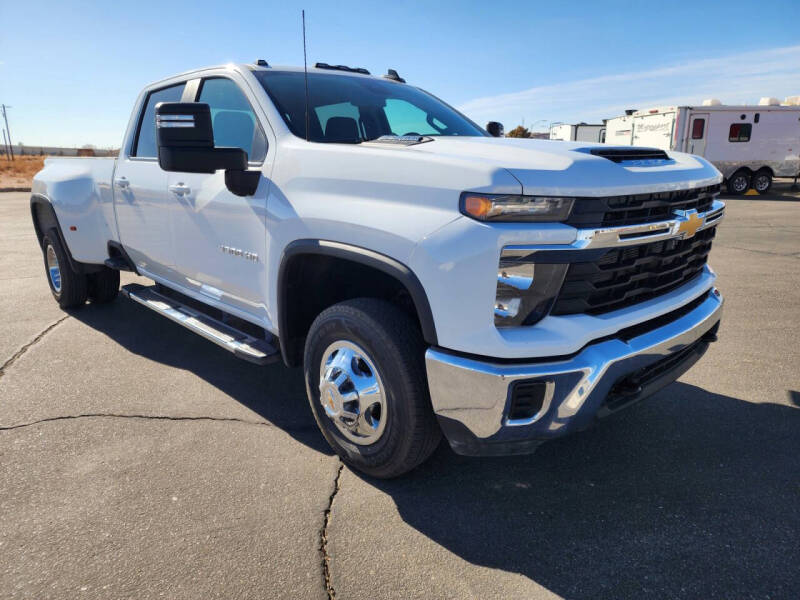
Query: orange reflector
(477,206)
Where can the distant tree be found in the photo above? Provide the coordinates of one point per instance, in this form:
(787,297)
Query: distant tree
(519,132)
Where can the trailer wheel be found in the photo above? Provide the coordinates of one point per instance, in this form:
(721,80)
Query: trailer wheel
(68,287)
(739,182)
(762,181)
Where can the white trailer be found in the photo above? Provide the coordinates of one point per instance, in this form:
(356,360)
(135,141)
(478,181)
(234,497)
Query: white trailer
(579,132)
(619,130)
(749,144)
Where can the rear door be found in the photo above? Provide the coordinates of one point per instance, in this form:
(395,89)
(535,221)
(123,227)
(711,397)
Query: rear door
(654,130)
(698,134)
(221,238)
(140,191)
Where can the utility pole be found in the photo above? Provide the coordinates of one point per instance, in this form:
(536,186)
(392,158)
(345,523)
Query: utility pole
(5,117)
(5,146)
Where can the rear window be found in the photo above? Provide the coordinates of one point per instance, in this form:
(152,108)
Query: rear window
(740,132)
(144,146)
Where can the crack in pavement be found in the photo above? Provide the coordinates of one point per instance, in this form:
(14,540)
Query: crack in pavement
(27,346)
(147,417)
(323,535)
(790,255)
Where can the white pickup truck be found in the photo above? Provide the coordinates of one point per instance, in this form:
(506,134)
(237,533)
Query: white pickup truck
(430,279)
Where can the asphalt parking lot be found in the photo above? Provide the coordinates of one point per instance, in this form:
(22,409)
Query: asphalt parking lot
(139,461)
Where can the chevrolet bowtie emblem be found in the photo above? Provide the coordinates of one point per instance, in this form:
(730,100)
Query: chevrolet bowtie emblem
(689,222)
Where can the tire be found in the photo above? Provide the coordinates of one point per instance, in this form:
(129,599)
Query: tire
(68,287)
(103,285)
(762,181)
(739,182)
(377,345)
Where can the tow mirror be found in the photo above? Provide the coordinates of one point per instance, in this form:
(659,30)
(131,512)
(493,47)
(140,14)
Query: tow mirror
(495,129)
(186,144)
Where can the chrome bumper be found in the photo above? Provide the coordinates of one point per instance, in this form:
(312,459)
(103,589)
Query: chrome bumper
(471,397)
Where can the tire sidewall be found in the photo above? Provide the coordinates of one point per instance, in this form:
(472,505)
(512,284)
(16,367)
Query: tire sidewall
(746,180)
(768,182)
(339,327)
(47,242)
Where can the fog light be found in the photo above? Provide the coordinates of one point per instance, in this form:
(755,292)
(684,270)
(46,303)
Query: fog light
(525,289)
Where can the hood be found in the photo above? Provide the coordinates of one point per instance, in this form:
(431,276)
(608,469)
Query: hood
(550,167)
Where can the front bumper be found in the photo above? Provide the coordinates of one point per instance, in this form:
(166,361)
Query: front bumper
(472,397)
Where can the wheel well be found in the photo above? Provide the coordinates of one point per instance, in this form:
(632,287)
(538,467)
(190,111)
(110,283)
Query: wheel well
(765,168)
(310,282)
(44,218)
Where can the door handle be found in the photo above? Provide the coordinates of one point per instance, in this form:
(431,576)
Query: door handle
(179,189)
(122,182)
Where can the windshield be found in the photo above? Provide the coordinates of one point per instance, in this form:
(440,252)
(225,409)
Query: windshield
(348,109)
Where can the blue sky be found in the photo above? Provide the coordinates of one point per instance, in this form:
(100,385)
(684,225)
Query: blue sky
(72,69)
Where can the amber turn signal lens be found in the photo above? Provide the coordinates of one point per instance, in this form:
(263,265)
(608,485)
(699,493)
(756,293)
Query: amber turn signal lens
(477,206)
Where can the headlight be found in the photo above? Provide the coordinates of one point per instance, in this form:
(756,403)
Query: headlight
(525,289)
(491,207)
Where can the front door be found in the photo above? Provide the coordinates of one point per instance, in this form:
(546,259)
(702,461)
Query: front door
(698,133)
(140,193)
(220,248)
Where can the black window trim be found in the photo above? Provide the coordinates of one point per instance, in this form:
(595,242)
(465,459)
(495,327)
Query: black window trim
(142,109)
(199,90)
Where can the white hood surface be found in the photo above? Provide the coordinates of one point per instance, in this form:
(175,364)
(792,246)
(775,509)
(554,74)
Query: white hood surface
(549,167)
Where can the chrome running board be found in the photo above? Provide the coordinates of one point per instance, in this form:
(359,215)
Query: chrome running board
(242,344)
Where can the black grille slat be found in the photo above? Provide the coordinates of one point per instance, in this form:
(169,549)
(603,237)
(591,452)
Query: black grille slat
(615,211)
(629,275)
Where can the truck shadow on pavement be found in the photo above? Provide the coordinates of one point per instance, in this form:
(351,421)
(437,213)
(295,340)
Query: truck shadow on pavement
(274,392)
(689,494)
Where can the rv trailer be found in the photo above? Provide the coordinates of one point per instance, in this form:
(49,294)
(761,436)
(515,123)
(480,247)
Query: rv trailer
(580,132)
(749,144)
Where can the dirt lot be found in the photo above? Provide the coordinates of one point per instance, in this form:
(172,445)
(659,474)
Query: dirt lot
(138,460)
(19,172)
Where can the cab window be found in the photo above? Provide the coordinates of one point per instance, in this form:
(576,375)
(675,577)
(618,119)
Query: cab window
(144,146)
(232,118)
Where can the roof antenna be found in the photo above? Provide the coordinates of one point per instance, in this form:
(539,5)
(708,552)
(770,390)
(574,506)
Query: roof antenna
(305,68)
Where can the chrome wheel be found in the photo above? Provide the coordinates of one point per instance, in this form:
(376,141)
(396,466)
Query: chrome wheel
(351,393)
(53,270)
(761,182)
(739,183)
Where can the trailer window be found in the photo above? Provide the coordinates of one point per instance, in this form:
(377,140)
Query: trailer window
(698,127)
(740,132)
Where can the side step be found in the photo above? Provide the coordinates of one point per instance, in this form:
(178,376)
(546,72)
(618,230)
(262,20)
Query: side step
(243,345)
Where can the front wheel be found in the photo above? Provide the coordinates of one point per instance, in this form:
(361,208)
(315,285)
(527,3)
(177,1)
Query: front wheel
(365,379)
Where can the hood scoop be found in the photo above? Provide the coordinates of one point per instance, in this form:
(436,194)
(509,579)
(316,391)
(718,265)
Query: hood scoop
(653,156)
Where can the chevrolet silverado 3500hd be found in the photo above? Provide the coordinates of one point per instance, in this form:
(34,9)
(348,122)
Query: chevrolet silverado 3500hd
(428,277)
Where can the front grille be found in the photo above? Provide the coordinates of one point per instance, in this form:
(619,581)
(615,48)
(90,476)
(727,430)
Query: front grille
(625,276)
(635,209)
